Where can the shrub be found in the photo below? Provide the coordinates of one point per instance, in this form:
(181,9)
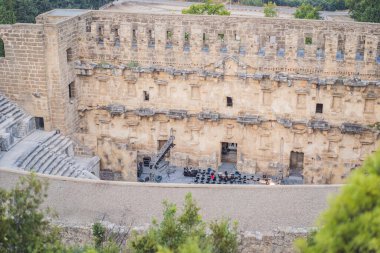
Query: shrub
(185,233)
(270,10)
(208,7)
(307,11)
(23,226)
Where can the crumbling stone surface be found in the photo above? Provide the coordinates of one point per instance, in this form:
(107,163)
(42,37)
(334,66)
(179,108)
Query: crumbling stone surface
(319,124)
(213,116)
(114,109)
(351,128)
(145,112)
(177,114)
(285,122)
(249,120)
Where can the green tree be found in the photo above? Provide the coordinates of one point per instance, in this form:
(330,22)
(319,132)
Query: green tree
(25,11)
(208,7)
(270,10)
(185,233)
(307,11)
(352,221)
(7,12)
(364,10)
(23,226)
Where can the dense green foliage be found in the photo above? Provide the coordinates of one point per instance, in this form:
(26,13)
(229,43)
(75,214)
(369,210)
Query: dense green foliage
(307,11)
(270,10)
(2,49)
(25,11)
(185,233)
(208,7)
(327,5)
(364,10)
(352,222)
(23,226)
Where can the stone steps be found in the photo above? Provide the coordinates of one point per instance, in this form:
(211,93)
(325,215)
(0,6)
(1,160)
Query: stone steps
(29,155)
(48,162)
(36,158)
(59,166)
(40,151)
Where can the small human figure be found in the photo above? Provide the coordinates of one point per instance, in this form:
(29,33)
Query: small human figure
(212,176)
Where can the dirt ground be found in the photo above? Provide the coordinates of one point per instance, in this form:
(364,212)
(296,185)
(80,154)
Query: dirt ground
(175,7)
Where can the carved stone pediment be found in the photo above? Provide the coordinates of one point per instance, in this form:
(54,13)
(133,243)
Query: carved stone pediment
(230,66)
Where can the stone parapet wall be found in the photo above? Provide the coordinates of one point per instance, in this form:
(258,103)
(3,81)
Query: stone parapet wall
(81,202)
(267,45)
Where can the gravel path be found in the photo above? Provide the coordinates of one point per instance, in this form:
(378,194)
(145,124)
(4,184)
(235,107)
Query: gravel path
(175,7)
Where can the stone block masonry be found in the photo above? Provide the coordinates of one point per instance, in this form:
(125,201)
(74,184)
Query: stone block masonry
(296,97)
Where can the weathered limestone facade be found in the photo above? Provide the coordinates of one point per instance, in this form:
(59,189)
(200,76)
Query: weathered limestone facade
(294,95)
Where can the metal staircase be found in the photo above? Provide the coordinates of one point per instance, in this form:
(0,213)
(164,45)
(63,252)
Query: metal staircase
(163,151)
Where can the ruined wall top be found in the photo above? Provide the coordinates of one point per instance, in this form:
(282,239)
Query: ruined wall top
(265,45)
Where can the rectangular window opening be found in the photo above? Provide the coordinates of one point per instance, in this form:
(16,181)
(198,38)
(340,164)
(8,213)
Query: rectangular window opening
(146,95)
(229,102)
(308,40)
(72,90)
(221,36)
(69,54)
(186,44)
(237,37)
(319,108)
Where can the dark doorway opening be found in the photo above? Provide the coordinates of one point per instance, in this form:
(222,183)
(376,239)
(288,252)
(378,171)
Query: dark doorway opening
(229,152)
(161,143)
(296,163)
(39,123)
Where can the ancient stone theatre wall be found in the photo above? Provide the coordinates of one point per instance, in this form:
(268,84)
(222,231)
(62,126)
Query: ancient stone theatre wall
(293,95)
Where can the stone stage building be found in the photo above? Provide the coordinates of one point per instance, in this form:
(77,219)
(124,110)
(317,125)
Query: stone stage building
(276,96)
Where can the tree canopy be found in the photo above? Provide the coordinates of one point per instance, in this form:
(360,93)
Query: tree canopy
(307,11)
(25,11)
(364,10)
(352,221)
(207,8)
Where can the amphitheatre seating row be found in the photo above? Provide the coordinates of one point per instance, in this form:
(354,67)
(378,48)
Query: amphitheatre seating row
(35,150)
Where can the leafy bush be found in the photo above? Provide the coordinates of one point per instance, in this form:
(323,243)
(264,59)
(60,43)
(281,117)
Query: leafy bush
(352,222)
(252,2)
(208,7)
(23,226)
(307,11)
(270,10)
(99,233)
(185,233)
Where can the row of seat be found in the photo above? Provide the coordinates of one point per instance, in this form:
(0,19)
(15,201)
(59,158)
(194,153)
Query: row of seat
(45,152)
(51,156)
